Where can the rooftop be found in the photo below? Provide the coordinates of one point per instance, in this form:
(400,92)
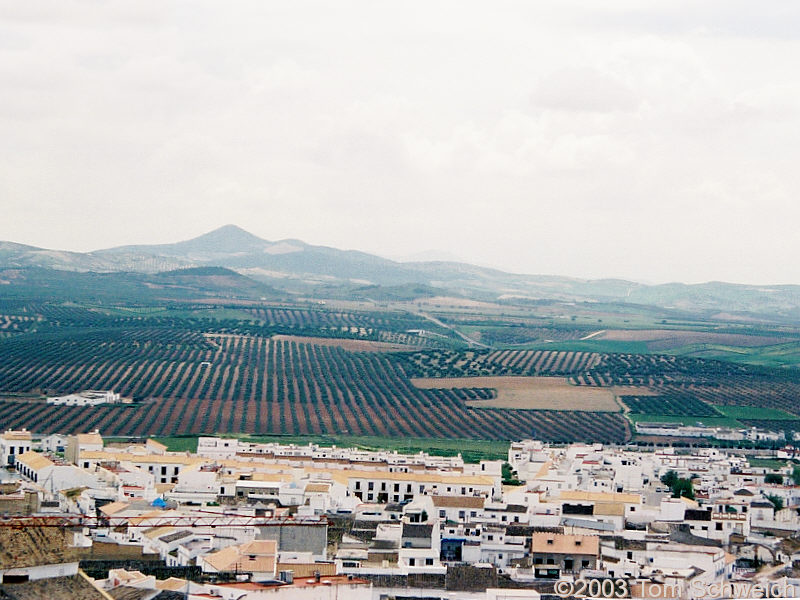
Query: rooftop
(565,543)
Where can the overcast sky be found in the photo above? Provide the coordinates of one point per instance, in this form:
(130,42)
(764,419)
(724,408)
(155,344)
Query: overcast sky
(656,141)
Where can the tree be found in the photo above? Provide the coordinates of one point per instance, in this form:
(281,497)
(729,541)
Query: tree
(777,501)
(669,478)
(683,488)
(774,478)
(509,475)
(796,475)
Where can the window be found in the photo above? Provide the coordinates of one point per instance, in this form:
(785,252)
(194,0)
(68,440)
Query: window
(719,526)
(584,564)
(429,561)
(411,562)
(370,485)
(358,485)
(550,542)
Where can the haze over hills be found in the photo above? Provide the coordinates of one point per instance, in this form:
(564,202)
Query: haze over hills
(296,266)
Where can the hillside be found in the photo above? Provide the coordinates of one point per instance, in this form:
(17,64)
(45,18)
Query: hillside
(295,266)
(184,284)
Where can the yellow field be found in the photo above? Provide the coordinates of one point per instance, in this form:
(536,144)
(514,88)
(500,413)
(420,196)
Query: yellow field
(533,393)
(346,344)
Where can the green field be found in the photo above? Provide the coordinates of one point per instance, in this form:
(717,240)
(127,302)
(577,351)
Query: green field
(769,463)
(472,451)
(590,345)
(709,421)
(780,355)
(753,412)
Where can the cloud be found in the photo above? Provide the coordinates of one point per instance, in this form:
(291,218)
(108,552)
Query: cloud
(583,89)
(571,138)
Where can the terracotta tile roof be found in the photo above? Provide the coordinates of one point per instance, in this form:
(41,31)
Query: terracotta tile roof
(557,543)
(90,438)
(318,487)
(113,508)
(66,588)
(34,546)
(17,435)
(458,501)
(35,461)
(308,569)
(172,584)
(258,556)
(600,496)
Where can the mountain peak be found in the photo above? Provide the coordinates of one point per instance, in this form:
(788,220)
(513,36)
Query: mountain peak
(230,232)
(225,239)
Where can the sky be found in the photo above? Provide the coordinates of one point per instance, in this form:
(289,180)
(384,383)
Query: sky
(655,141)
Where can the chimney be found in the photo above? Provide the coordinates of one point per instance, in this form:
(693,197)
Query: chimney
(286,576)
(316,576)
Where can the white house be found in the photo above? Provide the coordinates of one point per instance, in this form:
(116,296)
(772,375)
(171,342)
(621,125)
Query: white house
(53,474)
(12,444)
(86,398)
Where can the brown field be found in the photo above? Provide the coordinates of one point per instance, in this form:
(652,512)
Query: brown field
(532,393)
(344,344)
(450,302)
(664,339)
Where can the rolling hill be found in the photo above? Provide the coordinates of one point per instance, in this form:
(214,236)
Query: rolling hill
(295,266)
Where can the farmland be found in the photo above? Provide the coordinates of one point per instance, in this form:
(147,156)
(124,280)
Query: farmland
(323,371)
(189,383)
(353,345)
(666,339)
(529,393)
(679,405)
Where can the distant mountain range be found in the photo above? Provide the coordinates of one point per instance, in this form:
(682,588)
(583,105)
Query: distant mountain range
(294,266)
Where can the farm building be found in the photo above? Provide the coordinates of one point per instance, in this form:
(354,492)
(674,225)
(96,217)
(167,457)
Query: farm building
(87,398)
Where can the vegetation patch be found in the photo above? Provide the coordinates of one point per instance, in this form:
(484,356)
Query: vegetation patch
(472,451)
(346,344)
(707,421)
(682,405)
(756,413)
